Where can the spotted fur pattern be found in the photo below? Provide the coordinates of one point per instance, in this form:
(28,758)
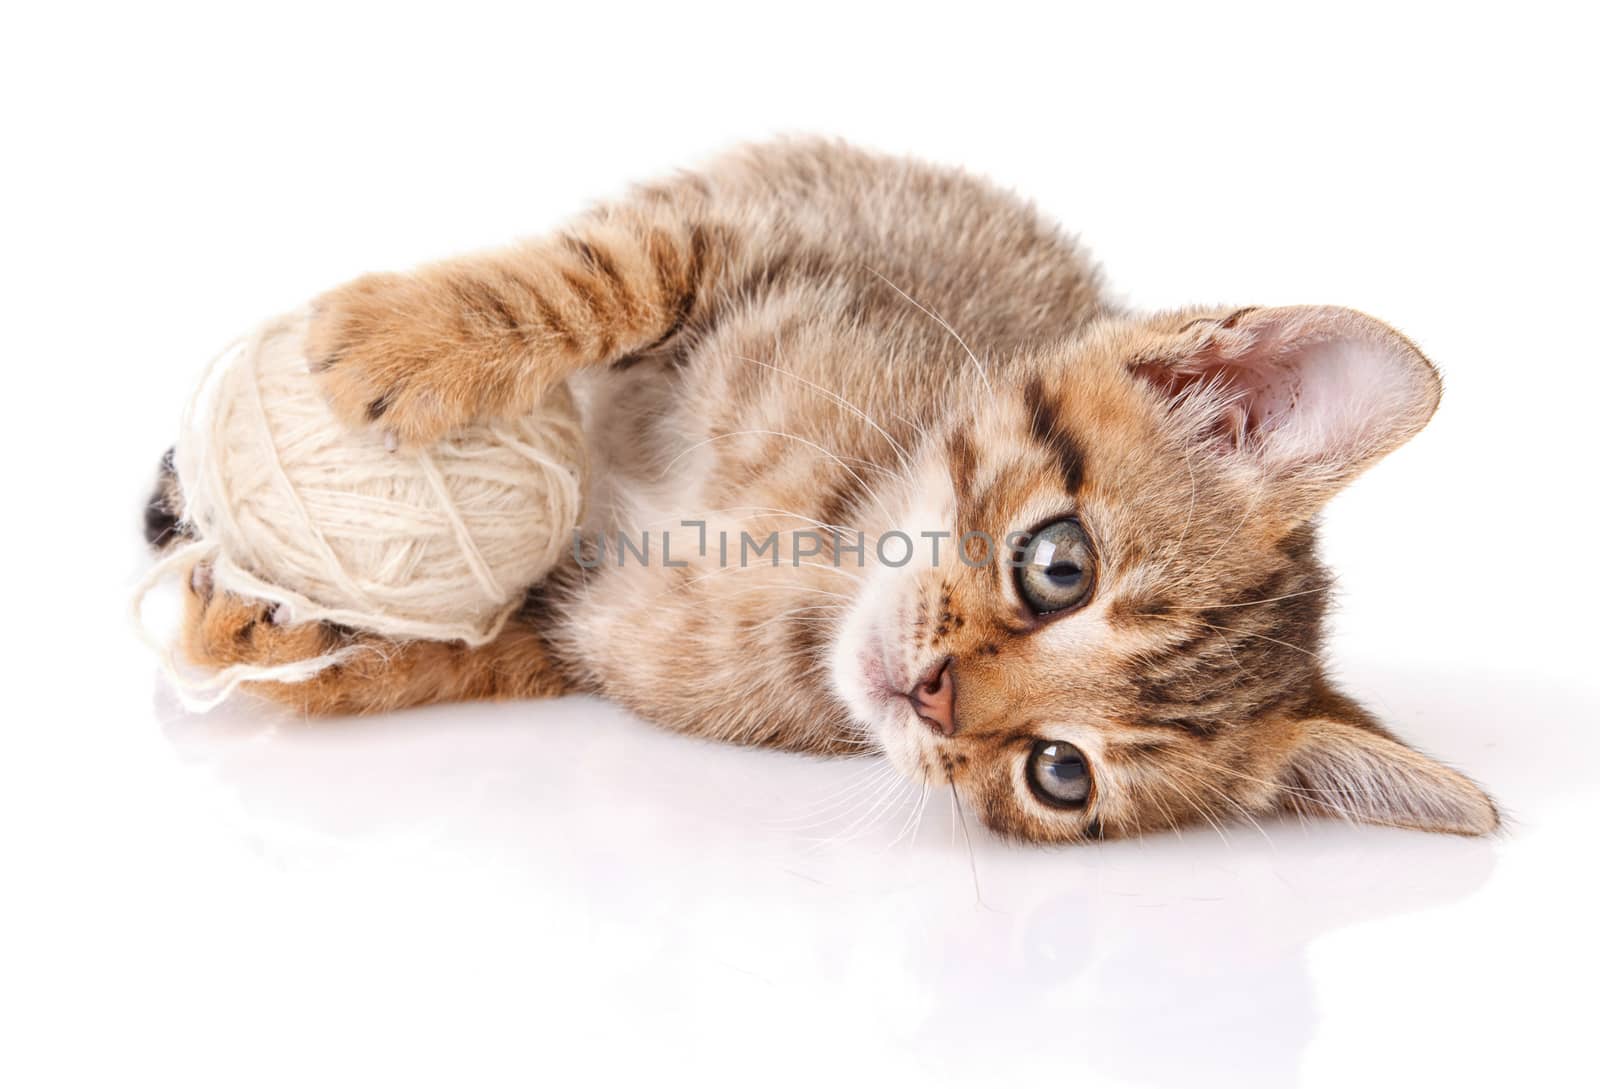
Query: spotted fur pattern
(804,335)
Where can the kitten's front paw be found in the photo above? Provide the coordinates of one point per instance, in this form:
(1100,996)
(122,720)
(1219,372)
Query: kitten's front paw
(399,353)
(222,629)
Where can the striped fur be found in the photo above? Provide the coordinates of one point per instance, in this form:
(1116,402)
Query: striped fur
(806,335)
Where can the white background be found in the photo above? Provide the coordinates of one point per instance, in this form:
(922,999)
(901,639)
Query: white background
(560,895)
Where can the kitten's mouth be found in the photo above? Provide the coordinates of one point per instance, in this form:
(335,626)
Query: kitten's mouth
(890,688)
(874,676)
(879,679)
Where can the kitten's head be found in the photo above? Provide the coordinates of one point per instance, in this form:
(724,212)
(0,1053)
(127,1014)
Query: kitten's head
(1143,650)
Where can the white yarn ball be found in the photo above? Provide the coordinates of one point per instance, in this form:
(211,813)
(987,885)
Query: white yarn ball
(297,508)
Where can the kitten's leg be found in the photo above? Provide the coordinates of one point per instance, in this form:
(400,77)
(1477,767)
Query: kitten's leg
(420,354)
(221,629)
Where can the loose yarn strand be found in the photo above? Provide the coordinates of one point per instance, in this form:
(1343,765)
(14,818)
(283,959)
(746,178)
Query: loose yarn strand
(200,693)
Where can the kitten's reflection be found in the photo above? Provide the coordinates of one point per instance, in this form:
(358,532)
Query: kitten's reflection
(1185,963)
(1171,959)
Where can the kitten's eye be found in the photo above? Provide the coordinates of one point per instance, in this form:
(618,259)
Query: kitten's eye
(1056,571)
(1059,775)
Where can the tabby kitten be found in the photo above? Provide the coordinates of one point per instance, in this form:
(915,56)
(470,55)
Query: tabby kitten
(805,336)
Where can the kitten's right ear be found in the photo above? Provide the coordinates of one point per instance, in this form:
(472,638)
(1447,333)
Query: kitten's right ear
(1342,766)
(1305,396)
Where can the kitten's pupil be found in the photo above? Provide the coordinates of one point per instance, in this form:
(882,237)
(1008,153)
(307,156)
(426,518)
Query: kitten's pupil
(1064,573)
(1066,769)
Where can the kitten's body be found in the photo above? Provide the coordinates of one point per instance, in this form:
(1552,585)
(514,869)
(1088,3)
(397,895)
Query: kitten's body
(804,394)
(808,337)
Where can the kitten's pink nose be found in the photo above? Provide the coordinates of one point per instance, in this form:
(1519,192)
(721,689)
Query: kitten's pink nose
(934,699)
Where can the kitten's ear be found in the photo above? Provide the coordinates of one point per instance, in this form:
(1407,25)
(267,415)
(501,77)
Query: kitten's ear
(1342,764)
(1310,396)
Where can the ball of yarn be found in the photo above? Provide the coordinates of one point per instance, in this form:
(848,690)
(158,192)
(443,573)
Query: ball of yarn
(334,524)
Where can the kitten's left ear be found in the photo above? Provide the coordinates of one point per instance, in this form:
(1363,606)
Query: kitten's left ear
(1342,764)
(1308,395)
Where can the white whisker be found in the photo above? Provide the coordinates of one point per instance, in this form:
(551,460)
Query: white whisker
(982,373)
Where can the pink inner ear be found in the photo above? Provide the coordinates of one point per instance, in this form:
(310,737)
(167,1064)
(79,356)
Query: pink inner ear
(1303,385)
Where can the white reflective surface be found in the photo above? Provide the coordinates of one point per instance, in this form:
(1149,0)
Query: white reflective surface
(469,891)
